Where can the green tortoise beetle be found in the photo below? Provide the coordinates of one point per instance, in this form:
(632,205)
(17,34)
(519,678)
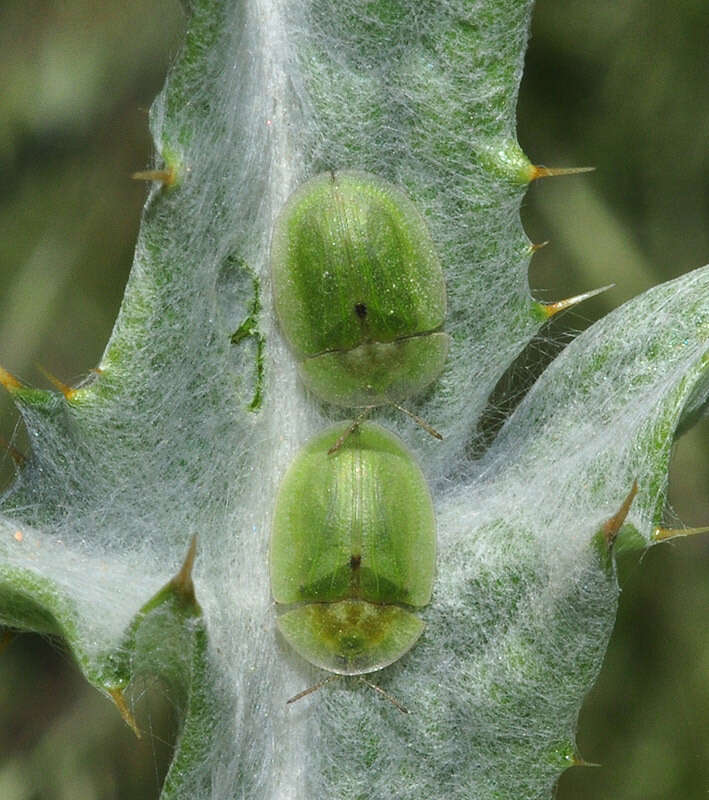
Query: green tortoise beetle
(353,551)
(358,290)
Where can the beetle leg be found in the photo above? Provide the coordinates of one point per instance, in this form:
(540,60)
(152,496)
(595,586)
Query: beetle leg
(418,420)
(381,691)
(353,427)
(312,689)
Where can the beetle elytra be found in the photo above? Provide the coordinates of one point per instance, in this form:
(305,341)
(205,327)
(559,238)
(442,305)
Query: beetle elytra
(352,551)
(358,289)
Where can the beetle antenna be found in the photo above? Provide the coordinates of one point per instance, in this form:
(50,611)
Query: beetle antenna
(312,689)
(381,691)
(353,427)
(418,420)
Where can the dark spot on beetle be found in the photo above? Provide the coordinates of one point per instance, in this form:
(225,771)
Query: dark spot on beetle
(360,310)
(355,561)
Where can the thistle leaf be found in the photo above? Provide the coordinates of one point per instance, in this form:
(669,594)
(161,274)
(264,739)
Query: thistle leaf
(195,412)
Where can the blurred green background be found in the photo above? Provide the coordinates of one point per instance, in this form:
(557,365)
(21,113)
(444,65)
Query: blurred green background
(622,86)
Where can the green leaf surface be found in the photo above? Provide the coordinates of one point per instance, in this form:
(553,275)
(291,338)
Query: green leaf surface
(196,412)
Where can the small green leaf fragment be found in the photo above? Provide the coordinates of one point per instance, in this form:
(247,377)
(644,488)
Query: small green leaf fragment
(249,329)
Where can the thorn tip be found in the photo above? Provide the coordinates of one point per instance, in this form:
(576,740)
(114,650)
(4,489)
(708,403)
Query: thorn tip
(580,761)
(663,534)
(538,171)
(535,246)
(9,381)
(67,391)
(118,698)
(18,457)
(165,176)
(182,582)
(551,309)
(614,524)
